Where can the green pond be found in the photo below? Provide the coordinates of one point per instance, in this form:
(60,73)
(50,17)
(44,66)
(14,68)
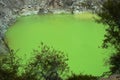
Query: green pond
(79,36)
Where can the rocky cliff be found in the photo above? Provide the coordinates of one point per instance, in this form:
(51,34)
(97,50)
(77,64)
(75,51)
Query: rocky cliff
(8,12)
(10,9)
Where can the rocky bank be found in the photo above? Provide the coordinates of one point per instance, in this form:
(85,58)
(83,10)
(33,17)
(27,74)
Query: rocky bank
(11,9)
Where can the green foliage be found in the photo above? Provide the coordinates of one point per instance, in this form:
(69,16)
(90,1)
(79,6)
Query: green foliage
(110,15)
(9,67)
(82,77)
(47,64)
(115,63)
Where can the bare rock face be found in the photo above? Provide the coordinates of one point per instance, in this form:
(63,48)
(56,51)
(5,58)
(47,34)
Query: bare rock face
(8,12)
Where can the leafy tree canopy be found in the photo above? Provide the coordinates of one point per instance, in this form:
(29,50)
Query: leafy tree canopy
(110,15)
(47,64)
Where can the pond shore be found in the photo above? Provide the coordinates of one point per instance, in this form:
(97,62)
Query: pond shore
(10,10)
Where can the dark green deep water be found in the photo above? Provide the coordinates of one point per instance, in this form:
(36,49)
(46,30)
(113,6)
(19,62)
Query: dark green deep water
(79,36)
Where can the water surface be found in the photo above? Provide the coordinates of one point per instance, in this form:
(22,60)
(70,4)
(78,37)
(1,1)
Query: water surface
(77,35)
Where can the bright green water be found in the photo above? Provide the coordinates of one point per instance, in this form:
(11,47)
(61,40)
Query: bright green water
(77,35)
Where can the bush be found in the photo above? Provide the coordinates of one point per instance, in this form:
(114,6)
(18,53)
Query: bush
(47,64)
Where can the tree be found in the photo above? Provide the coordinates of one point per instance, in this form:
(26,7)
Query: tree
(110,15)
(82,77)
(115,63)
(9,67)
(47,64)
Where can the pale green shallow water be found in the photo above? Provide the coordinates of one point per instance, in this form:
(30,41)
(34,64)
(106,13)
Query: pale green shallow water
(77,35)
